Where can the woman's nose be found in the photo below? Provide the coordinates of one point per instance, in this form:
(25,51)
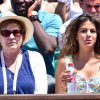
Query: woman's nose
(88,33)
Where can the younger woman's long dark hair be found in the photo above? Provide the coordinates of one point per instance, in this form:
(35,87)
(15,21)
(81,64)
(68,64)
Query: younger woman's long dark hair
(71,45)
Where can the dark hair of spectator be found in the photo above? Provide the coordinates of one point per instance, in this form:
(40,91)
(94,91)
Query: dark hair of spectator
(71,45)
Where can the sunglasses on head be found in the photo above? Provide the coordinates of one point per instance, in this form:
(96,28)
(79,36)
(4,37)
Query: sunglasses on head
(7,33)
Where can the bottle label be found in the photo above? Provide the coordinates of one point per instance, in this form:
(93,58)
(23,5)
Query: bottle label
(71,87)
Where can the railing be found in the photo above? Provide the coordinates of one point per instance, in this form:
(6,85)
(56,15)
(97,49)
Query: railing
(51,97)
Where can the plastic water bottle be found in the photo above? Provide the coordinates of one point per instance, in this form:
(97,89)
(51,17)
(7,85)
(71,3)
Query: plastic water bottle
(72,85)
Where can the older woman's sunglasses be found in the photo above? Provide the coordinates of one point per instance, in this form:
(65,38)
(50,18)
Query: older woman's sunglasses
(7,33)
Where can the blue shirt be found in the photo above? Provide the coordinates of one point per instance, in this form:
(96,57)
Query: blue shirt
(25,79)
(51,24)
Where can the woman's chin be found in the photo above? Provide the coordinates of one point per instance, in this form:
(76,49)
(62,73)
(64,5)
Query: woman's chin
(12,48)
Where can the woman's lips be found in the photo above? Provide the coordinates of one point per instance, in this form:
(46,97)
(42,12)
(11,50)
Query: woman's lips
(88,41)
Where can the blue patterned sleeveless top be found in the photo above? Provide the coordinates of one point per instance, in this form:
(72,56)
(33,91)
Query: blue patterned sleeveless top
(25,80)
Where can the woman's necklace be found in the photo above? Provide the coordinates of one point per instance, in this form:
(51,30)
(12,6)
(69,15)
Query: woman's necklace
(18,65)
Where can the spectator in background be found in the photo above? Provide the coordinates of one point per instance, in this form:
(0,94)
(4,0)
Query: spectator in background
(81,53)
(49,6)
(46,27)
(5,5)
(21,72)
(68,9)
(88,6)
(91,6)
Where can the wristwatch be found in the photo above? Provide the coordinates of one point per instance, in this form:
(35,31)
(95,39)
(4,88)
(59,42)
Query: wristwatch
(34,18)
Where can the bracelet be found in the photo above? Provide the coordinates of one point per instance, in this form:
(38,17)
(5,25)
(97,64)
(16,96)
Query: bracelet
(34,18)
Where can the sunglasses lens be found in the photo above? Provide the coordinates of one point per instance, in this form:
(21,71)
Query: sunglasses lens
(6,33)
(16,33)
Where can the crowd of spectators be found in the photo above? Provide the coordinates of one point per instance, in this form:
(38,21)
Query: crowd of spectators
(51,20)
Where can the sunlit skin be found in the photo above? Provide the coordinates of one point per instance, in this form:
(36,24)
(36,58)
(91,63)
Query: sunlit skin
(91,7)
(11,43)
(87,35)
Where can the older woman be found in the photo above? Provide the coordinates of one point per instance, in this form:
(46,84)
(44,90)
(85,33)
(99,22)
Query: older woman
(21,72)
(81,54)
